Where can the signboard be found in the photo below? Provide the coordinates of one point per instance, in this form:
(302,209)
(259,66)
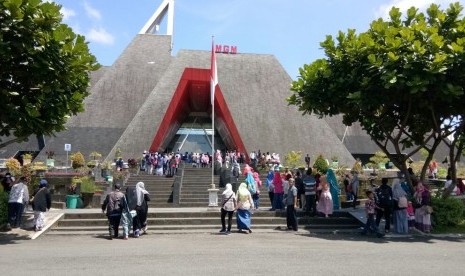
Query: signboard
(67,147)
(226,49)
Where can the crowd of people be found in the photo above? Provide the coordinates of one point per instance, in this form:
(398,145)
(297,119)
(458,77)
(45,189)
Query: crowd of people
(397,204)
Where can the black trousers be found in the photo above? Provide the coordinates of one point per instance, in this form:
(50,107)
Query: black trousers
(113,225)
(310,204)
(387,217)
(223,219)
(291,218)
(15,213)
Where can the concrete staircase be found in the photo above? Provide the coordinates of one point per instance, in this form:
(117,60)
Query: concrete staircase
(159,187)
(196,181)
(188,220)
(194,216)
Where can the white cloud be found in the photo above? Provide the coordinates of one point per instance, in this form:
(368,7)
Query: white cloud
(101,36)
(404,5)
(92,12)
(67,13)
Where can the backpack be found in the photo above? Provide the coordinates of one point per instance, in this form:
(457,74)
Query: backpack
(384,196)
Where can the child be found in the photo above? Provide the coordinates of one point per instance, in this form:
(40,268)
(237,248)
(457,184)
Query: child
(370,207)
(411,216)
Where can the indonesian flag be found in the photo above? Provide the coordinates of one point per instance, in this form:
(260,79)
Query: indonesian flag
(214,74)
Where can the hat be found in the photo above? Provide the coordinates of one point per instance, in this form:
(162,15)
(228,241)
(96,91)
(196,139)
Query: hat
(117,186)
(43,183)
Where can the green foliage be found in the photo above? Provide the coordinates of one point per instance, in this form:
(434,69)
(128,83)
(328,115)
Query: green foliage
(3,207)
(401,80)
(320,164)
(78,160)
(379,157)
(447,211)
(95,155)
(88,185)
(118,153)
(13,166)
(357,167)
(293,159)
(44,72)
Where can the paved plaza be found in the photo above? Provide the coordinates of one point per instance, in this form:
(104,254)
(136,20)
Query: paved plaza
(280,253)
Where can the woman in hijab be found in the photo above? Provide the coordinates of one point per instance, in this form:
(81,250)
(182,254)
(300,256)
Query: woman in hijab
(140,221)
(244,204)
(278,191)
(333,187)
(325,203)
(228,205)
(253,189)
(422,199)
(41,202)
(270,187)
(400,205)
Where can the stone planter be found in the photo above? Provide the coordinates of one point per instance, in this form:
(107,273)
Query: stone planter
(50,162)
(87,200)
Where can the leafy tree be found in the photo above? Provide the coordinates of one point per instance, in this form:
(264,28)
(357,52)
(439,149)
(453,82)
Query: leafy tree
(44,70)
(321,165)
(402,80)
(293,159)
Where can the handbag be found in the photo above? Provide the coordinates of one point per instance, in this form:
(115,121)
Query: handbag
(402,203)
(132,213)
(428,209)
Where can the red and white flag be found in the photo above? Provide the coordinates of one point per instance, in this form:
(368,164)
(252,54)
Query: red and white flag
(214,74)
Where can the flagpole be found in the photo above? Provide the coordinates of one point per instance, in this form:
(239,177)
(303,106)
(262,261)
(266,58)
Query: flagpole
(213,192)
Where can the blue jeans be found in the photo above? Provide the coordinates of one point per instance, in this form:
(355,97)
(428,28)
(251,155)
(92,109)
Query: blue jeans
(256,200)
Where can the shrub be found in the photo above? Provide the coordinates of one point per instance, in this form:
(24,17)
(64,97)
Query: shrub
(78,160)
(13,166)
(3,207)
(320,164)
(293,159)
(447,211)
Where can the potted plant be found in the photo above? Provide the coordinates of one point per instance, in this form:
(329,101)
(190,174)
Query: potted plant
(39,168)
(133,166)
(27,158)
(335,160)
(77,160)
(120,176)
(50,162)
(13,166)
(106,168)
(88,188)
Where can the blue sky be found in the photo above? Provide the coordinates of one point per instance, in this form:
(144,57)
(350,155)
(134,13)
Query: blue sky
(291,30)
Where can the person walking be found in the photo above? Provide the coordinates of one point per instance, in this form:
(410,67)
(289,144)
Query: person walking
(291,205)
(384,201)
(228,205)
(325,203)
(310,193)
(142,208)
(19,197)
(112,207)
(422,204)
(299,184)
(354,183)
(400,204)
(41,202)
(370,207)
(244,205)
(278,191)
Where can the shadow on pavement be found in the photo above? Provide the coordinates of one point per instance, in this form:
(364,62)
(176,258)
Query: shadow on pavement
(390,238)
